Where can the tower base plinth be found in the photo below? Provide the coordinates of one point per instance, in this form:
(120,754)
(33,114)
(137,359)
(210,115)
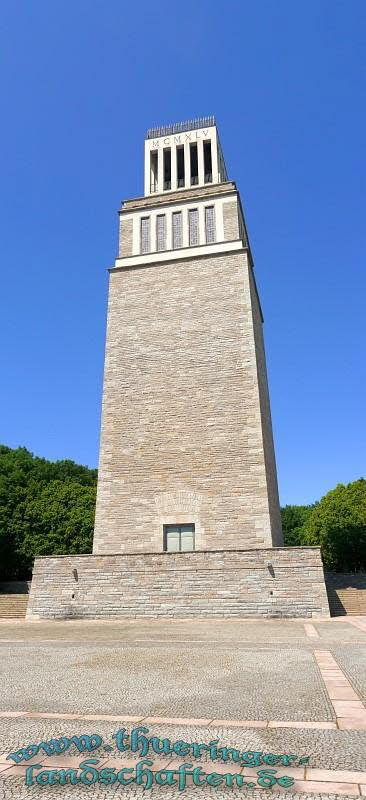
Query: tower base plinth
(273,582)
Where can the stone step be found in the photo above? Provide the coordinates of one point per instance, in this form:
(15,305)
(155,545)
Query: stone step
(347,601)
(13,606)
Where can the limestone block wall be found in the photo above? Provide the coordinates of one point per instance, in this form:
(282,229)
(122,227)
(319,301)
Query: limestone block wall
(226,221)
(125,237)
(192,193)
(231,220)
(280,582)
(265,410)
(182,424)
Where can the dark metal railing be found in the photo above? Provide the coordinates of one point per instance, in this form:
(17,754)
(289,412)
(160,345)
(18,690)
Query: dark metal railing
(179,127)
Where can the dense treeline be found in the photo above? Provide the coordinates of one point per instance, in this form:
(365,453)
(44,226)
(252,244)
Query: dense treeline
(48,508)
(337,523)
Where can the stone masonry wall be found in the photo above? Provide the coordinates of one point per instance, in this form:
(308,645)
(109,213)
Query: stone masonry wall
(281,582)
(231,220)
(268,445)
(125,237)
(182,431)
(192,193)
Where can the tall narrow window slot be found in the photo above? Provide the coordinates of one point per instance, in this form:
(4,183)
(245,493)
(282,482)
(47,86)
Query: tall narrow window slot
(210,226)
(193,226)
(177,229)
(154,171)
(161,232)
(207,160)
(194,164)
(167,168)
(145,235)
(180,166)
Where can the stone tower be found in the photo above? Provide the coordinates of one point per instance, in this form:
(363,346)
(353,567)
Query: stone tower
(186,456)
(187,518)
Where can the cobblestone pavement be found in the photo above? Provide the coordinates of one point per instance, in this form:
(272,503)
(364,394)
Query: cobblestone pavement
(341,632)
(126,630)
(353,661)
(12,788)
(326,749)
(230,632)
(218,670)
(174,682)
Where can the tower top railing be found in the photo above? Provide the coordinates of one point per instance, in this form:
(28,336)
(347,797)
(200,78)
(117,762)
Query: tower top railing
(179,127)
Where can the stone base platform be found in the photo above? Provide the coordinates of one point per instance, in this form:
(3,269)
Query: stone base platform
(273,582)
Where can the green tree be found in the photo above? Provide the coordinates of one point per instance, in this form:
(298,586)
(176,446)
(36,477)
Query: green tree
(26,528)
(293,521)
(58,521)
(338,524)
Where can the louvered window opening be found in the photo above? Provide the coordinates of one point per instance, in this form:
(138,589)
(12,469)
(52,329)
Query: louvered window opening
(161,232)
(210,224)
(193,226)
(177,230)
(145,235)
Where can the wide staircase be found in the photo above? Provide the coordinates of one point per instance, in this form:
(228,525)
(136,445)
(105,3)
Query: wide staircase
(14,599)
(13,606)
(346,593)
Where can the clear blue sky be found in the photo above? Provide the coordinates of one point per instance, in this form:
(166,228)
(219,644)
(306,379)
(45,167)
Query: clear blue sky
(80,83)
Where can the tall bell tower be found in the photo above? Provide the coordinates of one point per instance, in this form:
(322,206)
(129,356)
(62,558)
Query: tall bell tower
(186,453)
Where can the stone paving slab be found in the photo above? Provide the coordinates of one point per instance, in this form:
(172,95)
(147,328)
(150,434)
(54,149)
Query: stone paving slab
(326,749)
(236,633)
(352,660)
(12,788)
(345,701)
(187,721)
(258,630)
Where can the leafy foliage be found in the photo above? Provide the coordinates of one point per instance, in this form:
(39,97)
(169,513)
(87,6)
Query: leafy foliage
(338,524)
(293,521)
(45,508)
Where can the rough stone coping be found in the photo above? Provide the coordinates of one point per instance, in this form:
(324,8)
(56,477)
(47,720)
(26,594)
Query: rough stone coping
(192,252)
(185,193)
(137,620)
(190,553)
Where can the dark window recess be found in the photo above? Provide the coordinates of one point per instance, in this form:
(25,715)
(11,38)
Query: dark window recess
(154,171)
(167,168)
(180,166)
(179,538)
(207,161)
(194,164)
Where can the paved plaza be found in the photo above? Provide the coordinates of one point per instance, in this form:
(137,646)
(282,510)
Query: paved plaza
(280,687)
